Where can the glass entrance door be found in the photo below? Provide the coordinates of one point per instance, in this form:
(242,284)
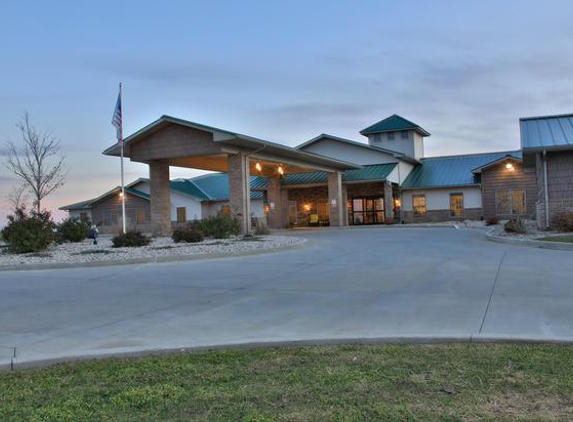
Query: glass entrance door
(366,211)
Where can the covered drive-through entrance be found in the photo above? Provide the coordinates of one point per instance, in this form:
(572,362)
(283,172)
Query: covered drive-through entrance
(174,142)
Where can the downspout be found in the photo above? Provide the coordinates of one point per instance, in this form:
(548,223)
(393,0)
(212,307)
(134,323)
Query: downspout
(545,189)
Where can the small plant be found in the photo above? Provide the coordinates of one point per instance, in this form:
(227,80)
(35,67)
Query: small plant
(515,225)
(220,227)
(130,239)
(563,222)
(188,234)
(73,230)
(32,232)
(261,228)
(491,221)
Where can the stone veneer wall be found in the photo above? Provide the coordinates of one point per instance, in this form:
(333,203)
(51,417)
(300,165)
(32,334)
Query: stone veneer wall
(559,183)
(432,216)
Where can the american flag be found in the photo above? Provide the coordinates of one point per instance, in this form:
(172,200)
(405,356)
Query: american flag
(117,120)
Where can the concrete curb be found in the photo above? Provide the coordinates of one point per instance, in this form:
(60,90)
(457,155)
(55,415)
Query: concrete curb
(157,259)
(542,244)
(391,340)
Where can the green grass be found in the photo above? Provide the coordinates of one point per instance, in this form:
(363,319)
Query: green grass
(564,238)
(409,382)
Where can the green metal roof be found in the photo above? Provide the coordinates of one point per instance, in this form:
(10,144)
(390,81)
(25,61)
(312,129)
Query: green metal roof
(216,186)
(547,132)
(392,124)
(372,172)
(455,170)
(187,187)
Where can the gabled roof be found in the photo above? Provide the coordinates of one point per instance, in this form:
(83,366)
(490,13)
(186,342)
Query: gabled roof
(186,187)
(87,205)
(503,159)
(245,142)
(392,124)
(216,186)
(454,170)
(547,132)
(395,154)
(367,173)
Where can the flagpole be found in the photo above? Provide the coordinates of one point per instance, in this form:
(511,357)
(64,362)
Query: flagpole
(122,181)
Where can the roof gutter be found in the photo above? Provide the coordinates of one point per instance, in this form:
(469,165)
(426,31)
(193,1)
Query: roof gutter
(545,189)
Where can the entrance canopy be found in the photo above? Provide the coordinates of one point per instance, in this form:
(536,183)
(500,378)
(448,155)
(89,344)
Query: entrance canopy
(181,143)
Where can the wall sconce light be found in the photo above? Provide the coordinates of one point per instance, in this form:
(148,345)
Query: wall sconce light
(509,166)
(258,167)
(281,170)
(307,207)
(267,208)
(397,202)
(120,194)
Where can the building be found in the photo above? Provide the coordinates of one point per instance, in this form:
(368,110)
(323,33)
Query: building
(330,180)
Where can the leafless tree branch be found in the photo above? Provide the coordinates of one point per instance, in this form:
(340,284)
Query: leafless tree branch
(31,161)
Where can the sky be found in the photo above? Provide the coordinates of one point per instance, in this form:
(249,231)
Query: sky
(284,71)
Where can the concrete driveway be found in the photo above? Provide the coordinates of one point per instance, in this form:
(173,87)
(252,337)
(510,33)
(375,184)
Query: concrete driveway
(344,284)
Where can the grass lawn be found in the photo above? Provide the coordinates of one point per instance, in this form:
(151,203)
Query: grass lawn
(564,238)
(408,382)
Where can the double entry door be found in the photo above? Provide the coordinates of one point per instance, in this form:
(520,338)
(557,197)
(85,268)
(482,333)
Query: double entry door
(366,210)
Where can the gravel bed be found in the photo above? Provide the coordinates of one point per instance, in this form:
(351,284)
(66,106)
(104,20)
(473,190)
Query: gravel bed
(86,251)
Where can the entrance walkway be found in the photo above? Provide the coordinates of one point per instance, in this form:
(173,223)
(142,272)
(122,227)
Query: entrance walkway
(347,283)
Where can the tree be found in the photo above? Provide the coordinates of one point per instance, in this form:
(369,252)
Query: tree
(18,197)
(37,162)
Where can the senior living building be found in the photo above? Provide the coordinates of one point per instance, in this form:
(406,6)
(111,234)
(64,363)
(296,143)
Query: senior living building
(332,181)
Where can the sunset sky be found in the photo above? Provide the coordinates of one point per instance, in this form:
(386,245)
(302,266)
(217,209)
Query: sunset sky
(282,71)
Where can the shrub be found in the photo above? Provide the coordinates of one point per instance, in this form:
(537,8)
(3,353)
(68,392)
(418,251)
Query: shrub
(32,232)
(563,221)
(73,230)
(219,227)
(132,238)
(261,227)
(515,225)
(492,221)
(187,234)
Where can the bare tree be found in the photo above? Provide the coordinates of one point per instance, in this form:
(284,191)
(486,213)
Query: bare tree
(18,197)
(37,162)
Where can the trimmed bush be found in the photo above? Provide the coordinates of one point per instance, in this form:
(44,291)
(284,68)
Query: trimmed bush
(131,239)
(220,227)
(492,221)
(563,221)
(32,232)
(187,234)
(515,225)
(73,230)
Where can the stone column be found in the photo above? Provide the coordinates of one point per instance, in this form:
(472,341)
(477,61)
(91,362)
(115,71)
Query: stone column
(240,190)
(285,208)
(345,205)
(337,207)
(160,198)
(388,203)
(274,199)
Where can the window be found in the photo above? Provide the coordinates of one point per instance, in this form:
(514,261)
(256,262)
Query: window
(456,204)
(181,214)
(376,137)
(391,136)
(84,216)
(404,134)
(140,215)
(419,204)
(510,202)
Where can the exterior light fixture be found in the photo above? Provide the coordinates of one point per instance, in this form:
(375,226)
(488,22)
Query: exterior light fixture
(397,202)
(258,167)
(120,194)
(509,166)
(307,207)
(281,170)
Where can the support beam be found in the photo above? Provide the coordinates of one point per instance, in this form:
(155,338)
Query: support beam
(388,203)
(240,190)
(337,207)
(160,198)
(274,198)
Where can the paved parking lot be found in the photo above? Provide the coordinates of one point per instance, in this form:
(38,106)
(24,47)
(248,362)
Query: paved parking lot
(345,283)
